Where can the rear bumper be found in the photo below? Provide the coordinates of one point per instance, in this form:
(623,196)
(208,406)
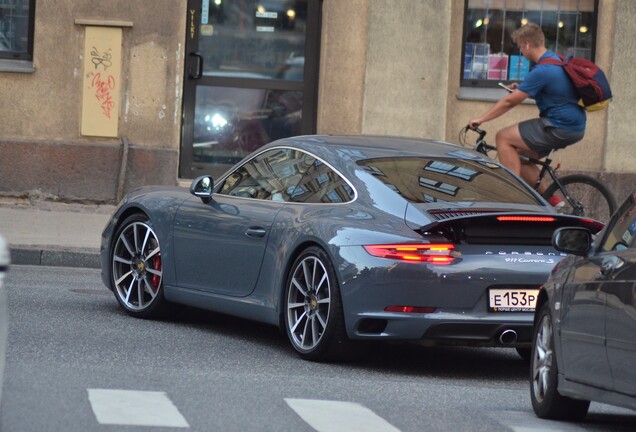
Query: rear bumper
(453,300)
(442,328)
(480,334)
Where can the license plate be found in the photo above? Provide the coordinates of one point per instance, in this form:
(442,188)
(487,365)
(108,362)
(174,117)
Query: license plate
(512,300)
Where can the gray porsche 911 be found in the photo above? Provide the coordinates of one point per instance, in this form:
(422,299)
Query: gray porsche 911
(343,238)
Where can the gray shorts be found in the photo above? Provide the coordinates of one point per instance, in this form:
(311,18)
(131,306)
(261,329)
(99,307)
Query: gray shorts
(542,136)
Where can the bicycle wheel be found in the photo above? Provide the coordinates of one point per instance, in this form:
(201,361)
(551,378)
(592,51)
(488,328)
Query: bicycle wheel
(592,199)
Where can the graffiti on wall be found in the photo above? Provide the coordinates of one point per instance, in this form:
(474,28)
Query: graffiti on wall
(102,69)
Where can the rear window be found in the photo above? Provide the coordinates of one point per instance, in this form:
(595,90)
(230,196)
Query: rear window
(429,180)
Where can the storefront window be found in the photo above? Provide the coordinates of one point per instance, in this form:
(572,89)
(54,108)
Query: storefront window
(489,54)
(16,29)
(254,39)
(251,78)
(232,122)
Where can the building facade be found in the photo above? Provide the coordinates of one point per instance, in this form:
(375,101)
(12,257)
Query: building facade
(102,97)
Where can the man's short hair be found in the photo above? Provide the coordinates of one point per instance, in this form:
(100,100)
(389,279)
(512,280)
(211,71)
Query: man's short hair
(530,33)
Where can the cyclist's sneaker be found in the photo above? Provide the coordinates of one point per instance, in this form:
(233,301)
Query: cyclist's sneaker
(556,202)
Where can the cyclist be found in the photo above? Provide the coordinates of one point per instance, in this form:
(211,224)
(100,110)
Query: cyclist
(561,120)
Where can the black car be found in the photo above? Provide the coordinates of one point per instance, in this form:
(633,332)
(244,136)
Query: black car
(584,345)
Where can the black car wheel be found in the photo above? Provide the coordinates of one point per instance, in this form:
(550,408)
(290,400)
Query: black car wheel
(136,273)
(313,309)
(546,400)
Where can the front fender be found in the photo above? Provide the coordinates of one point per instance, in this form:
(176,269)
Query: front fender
(160,205)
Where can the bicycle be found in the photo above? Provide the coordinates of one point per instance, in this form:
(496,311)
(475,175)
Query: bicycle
(581,194)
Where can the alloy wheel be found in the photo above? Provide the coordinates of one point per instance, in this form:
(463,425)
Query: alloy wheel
(308,303)
(137,271)
(542,360)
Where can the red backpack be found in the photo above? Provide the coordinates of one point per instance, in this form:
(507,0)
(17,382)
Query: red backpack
(589,81)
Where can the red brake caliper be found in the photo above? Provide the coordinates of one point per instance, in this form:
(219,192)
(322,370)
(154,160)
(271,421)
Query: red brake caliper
(156,279)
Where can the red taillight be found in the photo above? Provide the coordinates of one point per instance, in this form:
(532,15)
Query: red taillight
(525,219)
(440,254)
(410,309)
(591,224)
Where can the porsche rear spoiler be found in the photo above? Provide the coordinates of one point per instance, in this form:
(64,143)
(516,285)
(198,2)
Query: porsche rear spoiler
(490,227)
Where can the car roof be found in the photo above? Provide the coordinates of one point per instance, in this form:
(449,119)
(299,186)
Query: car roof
(370,146)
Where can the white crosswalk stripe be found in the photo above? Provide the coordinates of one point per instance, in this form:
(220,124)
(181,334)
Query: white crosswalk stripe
(155,409)
(528,422)
(335,416)
(135,408)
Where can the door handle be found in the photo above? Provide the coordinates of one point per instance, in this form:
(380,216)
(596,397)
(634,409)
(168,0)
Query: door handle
(199,67)
(255,232)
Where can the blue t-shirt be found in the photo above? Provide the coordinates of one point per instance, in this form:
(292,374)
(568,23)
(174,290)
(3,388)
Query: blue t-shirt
(554,94)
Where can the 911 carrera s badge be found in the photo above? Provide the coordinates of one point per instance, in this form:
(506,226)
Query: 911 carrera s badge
(528,257)
(531,260)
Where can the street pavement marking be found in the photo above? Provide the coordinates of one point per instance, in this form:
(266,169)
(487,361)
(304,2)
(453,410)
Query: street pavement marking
(334,416)
(519,421)
(136,408)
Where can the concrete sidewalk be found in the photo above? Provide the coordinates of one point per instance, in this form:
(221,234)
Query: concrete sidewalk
(55,234)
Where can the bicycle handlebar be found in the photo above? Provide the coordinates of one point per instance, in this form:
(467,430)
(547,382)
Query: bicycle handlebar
(480,145)
(482,133)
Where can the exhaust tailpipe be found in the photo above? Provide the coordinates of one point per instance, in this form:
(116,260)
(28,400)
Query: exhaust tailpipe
(508,337)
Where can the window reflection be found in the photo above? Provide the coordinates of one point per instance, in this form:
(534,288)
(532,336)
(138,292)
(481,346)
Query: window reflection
(272,175)
(451,169)
(322,185)
(623,232)
(262,37)
(287,175)
(14,26)
(232,122)
(424,180)
(438,186)
(490,53)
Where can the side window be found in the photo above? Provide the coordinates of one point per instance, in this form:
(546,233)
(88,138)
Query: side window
(321,184)
(489,54)
(16,29)
(623,231)
(272,175)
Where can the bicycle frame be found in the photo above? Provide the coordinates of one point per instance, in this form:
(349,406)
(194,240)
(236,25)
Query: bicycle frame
(546,167)
(482,146)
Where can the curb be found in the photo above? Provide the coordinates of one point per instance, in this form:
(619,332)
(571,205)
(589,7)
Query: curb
(55,257)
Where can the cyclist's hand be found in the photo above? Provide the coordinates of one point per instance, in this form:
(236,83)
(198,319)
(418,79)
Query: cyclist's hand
(513,85)
(473,124)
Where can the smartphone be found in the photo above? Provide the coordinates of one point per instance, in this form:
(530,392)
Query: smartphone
(505,87)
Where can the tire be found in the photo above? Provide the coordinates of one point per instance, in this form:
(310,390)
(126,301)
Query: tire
(547,403)
(313,313)
(136,269)
(597,201)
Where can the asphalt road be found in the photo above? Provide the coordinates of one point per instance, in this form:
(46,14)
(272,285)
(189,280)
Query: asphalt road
(76,362)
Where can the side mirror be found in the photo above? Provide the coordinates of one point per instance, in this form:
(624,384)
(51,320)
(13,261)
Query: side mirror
(202,187)
(572,240)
